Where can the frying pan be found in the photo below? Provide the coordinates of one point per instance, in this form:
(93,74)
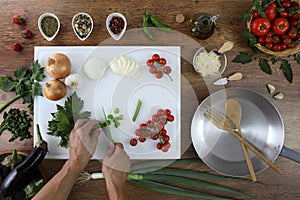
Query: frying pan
(261,125)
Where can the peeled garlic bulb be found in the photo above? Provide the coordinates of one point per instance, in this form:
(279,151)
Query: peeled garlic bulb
(125,66)
(74,81)
(94,68)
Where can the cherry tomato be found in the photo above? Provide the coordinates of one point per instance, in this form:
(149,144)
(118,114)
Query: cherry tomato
(285,3)
(294,4)
(260,26)
(133,142)
(150,123)
(167,69)
(296,16)
(159,146)
(269,45)
(143,126)
(160,126)
(294,23)
(154,137)
(161,112)
(155,118)
(18,19)
(142,139)
(283,47)
(17,47)
(255,15)
(164,148)
(152,69)
(276,47)
(137,132)
(280,25)
(166,138)
(168,111)
(162,61)
(261,40)
(268,40)
(170,118)
(150,63)
(270,34)
(27,34)
(286,39)
(158,74)
(168,144)
(292,33)
(271,12)
(291,45)
(275,39)
(163,132)
(285,14)
(155,57)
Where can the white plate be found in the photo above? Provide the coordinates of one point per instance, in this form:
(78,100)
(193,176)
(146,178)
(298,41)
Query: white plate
(114,91)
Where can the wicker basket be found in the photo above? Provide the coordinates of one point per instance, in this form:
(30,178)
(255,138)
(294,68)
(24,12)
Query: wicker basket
(283,53)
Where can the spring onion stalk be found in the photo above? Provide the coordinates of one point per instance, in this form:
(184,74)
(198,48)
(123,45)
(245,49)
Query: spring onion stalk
(137,110)
(107,127)
(7,103)
(196,183)
(196,174)
(173,190)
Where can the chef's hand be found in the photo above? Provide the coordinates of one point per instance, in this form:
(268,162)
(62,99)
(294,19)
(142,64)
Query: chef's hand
(83,141)
(115,167)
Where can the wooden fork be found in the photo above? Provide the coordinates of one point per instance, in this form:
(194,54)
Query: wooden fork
(222,122)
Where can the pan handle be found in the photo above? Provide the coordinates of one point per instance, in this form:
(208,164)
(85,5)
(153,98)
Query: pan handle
(290,154)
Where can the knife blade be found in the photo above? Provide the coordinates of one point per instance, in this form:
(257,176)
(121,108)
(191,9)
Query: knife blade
(233,77)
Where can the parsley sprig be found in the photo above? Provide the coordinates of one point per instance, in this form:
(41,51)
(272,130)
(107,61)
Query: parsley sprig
(65,118)
(25,84)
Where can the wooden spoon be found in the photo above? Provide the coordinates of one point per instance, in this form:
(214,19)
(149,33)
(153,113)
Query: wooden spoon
(234,112)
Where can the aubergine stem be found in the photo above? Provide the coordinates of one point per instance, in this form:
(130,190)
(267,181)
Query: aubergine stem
(11,160)
(40,142)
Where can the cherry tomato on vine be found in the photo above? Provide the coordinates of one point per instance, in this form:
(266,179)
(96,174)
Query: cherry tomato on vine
(285,14)
(273,4)
(167,69)
(159,146)
(261,40)
(276,47)
(150,63)
(293,33)
(269,45)
(162,61)
(155,57)
(133,142)
(286,40)
(294,4)
(170,118)
(280,25)
(275,39)
(142,139)
(255,15)
(154,137)
(285,3)
(168,111)
(260,26)
(152,69)
(158,74)
(166,138)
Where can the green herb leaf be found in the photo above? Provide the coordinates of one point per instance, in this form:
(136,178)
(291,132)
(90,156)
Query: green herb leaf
(246,34)
(297,58)
(6,84)
(287,70)
(245,17)
(65,118)
(243,58)
(37,72)
(264,65)
(17,122)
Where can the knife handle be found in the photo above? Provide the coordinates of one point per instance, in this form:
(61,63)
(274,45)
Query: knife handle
(235,77)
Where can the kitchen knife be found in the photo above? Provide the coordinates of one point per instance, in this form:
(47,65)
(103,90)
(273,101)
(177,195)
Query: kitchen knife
(233,77)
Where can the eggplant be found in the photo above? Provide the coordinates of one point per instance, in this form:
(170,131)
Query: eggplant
(22,174)
(9,162)
(20,195)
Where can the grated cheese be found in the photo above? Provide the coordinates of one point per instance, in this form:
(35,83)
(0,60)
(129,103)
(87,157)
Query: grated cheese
(207,63)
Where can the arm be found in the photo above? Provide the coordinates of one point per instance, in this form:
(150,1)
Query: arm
(83,142)
(116,165)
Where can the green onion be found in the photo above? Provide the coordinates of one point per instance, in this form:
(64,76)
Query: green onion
(196,183)
(168,189)
(137,110)
(196,174)
(107,127)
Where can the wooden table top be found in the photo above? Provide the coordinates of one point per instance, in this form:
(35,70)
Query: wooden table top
(271,185)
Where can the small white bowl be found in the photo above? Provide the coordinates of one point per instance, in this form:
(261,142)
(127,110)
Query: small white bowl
(109,17)
(74,28)
(40,25)
(222,59)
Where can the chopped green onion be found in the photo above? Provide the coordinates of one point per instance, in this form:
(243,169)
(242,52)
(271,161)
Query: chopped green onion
(107,127)
(137,110)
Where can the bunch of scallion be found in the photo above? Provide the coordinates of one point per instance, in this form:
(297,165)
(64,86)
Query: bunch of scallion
(178,181)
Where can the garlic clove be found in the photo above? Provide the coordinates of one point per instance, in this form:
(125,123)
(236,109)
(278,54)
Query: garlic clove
(74,81)
(271,88)
(278,96)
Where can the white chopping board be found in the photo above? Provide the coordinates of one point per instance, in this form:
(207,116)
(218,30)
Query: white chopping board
(113,91)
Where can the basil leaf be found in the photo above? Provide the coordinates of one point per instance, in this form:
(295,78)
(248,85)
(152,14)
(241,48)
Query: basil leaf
(287,70)
(297,58)
(264,65)
(243,58)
